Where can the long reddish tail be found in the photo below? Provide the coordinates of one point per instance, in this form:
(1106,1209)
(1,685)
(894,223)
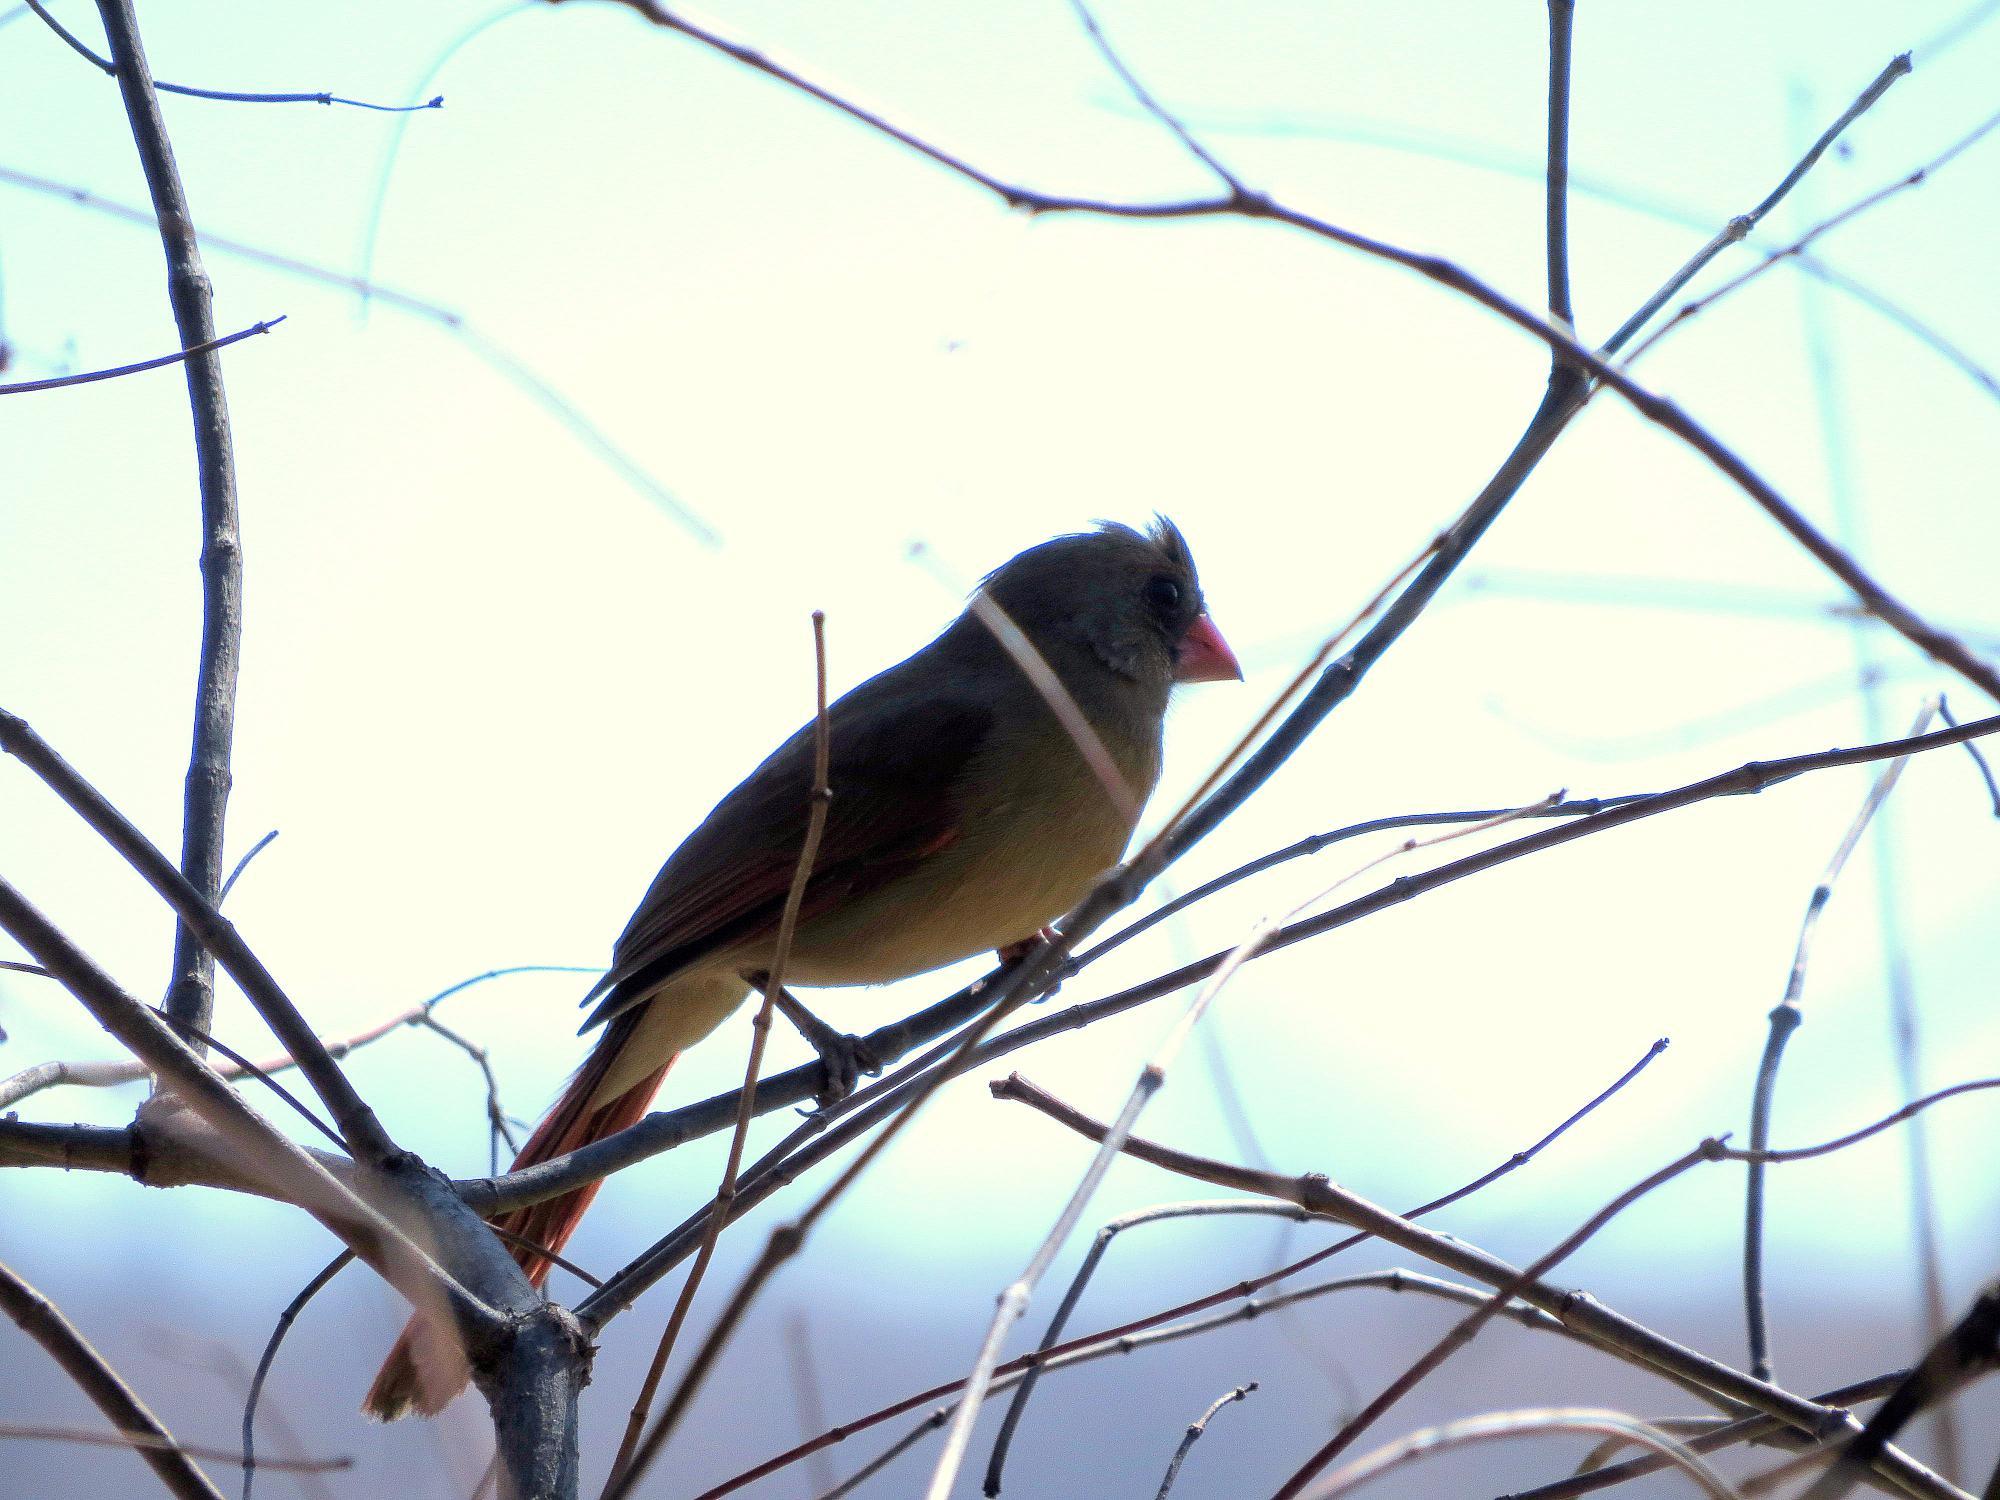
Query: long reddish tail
(426,1369)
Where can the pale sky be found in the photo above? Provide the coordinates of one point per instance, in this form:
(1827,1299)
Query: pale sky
(488,684)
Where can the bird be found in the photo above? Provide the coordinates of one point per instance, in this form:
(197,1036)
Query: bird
(973,801)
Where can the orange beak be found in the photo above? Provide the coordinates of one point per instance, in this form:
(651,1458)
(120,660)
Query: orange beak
(1204,656)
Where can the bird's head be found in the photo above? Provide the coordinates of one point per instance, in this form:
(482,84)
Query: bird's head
(1130,599)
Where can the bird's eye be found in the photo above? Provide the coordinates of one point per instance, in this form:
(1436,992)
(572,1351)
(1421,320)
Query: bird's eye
(1163,594)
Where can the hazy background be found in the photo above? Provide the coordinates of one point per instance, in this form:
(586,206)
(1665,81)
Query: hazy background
(488,684)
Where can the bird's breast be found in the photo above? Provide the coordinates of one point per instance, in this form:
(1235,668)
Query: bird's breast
(1036,830)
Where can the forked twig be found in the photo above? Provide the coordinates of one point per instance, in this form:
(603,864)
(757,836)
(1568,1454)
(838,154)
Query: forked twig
(1024,1371)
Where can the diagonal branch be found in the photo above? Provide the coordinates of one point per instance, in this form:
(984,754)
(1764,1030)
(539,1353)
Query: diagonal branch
(43,1322)
(283,1167)
(1573,1309)
(213,933)
(90,377)
(1564,348)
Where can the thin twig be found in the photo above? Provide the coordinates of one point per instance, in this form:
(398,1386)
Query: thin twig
(1595,1321)
(1744,1430)
(286,1168)
(808,1396)
(1193,1434)
(226,95)
(35,1432)
(1093,1348)
(1543,428)
(43,1322)
(110,1073)
(88,377)
(837,1127)
(191,991)
(1024,1388)
(1463,1332)
(632,1458)
(1970,1349)
(1147,101)
(1740,227)
(1698,305)
(1530,1423)
(393,147)
(516,372)
(212,932)
(264,1361)
(497,1128)
(236,873)
(1978,757)
(1013,1301)
(1486,159)
(1028,1366)
(1785,1018)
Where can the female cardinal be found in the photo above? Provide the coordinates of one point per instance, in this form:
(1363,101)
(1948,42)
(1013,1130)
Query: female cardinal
(964,816)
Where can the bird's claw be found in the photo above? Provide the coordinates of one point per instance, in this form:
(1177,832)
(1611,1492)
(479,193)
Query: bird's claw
(1013,953)
(843,1059)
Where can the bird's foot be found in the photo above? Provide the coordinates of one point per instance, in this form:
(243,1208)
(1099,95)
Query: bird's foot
(1013,953)
(843,1056)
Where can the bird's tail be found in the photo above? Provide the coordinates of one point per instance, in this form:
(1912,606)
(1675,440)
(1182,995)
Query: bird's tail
(426,1369)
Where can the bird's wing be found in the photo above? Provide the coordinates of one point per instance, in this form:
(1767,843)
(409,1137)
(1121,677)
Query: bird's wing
(895,757)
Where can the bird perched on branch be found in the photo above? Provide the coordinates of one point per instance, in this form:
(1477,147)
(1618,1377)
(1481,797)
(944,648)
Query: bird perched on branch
(979,787)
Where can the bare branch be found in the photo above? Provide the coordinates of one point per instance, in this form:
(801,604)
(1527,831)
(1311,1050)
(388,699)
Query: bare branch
(264,1361)
(522,376)
(191,992)
(1785,1019)
(1740,227)
(107,1074)
(1031,1374)
(1748,1429)
(1193,1434)
(1588,1317)
(213,933)
(1528,1423)
(1967,1351)
(281,1164)
(34,1432)
(1147,102)
(1656,409)
(1853,210)
(43,1322)
(1049,1354)
(236,870)
(1562,23)
(88,377)
(632,1458)
(226,95)
(1013,1301)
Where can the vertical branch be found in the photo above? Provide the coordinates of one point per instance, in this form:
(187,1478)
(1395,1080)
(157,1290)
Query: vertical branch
(1786,1017)
(760,1031)
(1562,18)
(43,1322)
(191,991)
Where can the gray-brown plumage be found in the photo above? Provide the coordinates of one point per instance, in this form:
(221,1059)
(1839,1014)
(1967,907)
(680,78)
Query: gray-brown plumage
(964,817)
